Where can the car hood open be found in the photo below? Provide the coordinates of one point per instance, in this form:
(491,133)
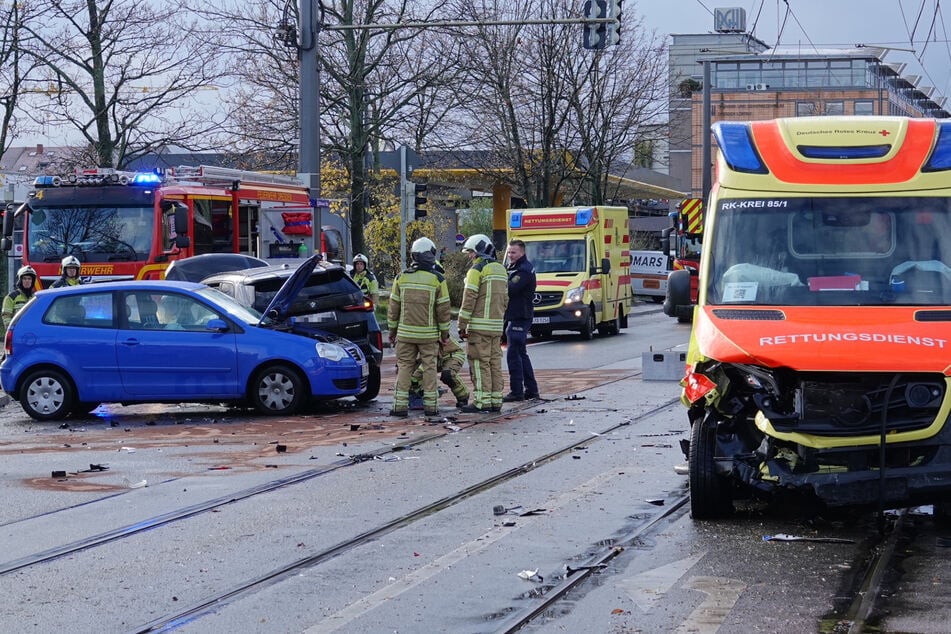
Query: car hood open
(280,306)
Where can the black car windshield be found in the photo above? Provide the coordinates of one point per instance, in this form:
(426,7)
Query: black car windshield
(830,251)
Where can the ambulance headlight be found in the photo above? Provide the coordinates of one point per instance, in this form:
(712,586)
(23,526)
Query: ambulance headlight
(574,296)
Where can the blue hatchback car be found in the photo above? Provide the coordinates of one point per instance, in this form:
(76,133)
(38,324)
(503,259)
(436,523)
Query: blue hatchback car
(70,349)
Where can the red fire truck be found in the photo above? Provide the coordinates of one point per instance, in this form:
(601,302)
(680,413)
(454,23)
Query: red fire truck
(687,234)
(130,225)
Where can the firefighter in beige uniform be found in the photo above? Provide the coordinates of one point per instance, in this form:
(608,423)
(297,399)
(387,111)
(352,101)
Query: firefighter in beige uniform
(484,301)
(418,320)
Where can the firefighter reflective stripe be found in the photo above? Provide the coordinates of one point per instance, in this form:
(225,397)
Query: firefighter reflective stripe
(485,297)
(419,306)
(691,214)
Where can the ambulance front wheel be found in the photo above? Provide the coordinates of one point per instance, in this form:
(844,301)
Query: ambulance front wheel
(587,330)
(711,494)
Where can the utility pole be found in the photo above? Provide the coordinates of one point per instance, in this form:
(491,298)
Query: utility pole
(404,204)
(308,149)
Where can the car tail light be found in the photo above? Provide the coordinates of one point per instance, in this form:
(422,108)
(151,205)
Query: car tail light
(8,343)
(365,307)
(376,339)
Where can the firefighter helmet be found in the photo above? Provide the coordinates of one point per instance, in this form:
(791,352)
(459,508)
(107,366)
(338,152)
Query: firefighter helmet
(359,257)
(26,270)
(481,245)
(423,245)
(69,260)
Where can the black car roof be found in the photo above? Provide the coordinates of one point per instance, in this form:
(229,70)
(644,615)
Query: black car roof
(275,270)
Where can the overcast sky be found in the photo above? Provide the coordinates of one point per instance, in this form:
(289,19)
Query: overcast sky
(827,22)
(921,25)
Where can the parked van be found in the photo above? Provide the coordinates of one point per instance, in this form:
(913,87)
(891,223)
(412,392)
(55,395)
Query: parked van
(820,357)
(582,265)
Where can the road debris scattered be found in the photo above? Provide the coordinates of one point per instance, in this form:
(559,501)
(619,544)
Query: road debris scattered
(531,575)
(783,537)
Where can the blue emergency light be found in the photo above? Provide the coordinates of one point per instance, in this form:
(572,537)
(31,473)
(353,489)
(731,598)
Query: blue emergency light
(844,153)
(146,178)
(515,220)
(940,158)
(736,146)
(583,216)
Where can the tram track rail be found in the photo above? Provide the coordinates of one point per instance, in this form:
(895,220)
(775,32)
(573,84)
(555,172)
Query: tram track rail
(594,565)
(190,511)
(209,604)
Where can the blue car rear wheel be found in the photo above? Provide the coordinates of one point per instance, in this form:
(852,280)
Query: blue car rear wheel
(46,395)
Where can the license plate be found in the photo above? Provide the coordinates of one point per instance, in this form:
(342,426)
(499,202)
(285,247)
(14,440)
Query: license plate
(541,320)
(365,370)
(316,318)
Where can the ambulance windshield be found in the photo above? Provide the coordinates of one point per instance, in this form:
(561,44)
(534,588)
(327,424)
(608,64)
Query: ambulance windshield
(831,252)
(556,256)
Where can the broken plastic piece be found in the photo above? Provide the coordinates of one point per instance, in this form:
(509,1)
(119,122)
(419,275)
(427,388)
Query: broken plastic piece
(502,510)
(533,512)
(139,485)
(281,448)
(127,449)
(529,575)
(354,426)
(783,537)
(58,474)
(656,501)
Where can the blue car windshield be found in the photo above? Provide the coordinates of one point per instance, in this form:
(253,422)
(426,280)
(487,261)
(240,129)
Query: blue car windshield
(92,233)
(244,314)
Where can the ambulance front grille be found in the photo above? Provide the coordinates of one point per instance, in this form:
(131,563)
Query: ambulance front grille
(544,299)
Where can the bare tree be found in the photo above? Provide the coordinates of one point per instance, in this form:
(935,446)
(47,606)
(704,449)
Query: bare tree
(13,68)
(390,67)
(123,73)
(550,117)
(622,96)
(261,126)
(374,84)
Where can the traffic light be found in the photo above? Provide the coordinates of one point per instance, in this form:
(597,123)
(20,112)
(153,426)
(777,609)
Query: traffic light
(602,34)
(613,33)
(420,200)
(594,34)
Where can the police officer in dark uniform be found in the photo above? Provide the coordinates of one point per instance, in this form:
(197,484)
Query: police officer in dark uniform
(518,315)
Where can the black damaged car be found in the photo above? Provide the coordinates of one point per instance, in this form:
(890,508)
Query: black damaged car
(329,299)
